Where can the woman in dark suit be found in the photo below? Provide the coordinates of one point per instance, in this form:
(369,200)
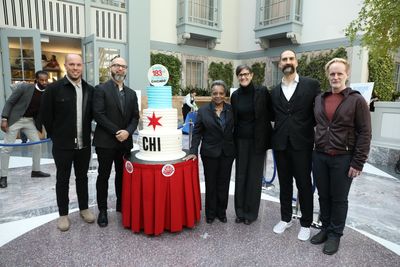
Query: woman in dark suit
(251,107)
(214,128)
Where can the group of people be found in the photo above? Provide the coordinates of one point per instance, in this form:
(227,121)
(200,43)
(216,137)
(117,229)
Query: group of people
(66,109)
(327,134)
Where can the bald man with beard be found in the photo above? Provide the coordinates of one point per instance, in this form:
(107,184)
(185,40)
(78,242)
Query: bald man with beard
(116,112)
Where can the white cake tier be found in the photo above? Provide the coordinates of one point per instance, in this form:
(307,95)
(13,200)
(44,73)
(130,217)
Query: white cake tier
(159,119)
(160,145)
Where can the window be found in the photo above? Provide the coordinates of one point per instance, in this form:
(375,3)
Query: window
(276,11)
(397,78)
(204,12)
(105,57)
(194,74)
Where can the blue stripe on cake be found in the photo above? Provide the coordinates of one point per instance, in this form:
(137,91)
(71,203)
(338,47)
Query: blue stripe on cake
(159,97)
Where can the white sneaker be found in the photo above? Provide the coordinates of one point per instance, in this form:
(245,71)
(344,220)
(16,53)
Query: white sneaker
(304,233)
(281,226)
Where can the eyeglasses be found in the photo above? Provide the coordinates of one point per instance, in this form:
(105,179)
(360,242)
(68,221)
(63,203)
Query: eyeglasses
(246,74)
(119,66)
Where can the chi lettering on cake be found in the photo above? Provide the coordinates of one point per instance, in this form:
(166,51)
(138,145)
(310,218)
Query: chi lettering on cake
(160,139)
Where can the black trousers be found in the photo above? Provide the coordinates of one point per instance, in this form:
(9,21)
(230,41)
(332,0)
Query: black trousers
(248,179)
(185,110)
(106,157)
(64,158)
(217,173)
(333,184)
(295,164)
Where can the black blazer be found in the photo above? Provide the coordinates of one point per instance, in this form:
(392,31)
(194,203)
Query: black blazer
(263,117)
(110,118)
(294,119)
(214,139)
(58,112)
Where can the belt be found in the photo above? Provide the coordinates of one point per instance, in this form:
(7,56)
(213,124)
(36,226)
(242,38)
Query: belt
(334,152)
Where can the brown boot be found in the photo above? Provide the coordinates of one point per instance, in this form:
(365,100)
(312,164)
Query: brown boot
(63,223)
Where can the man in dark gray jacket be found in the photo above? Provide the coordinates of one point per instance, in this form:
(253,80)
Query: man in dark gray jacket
(21,113)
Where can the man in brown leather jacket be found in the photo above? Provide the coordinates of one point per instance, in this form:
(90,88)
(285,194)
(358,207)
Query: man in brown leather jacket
(342,143)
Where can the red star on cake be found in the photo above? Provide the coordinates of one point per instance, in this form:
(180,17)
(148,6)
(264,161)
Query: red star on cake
(154,121)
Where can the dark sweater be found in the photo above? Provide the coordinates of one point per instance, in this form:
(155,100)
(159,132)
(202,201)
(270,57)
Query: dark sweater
(245,112)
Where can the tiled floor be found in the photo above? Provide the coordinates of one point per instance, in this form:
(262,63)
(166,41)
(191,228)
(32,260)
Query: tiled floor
(28,234)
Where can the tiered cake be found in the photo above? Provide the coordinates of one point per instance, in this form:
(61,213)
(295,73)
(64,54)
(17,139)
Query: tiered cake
(160,139)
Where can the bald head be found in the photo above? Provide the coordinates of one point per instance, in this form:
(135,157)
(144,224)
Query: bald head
(74,66)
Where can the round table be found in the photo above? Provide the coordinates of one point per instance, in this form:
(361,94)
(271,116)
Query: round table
(158,196)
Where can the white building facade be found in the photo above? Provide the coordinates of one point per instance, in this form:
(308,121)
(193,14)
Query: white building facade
(198,32)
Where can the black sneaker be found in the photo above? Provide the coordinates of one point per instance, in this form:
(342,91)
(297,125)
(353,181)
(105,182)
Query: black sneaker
(3,182)
(102,219)
(331,245)
(39,174)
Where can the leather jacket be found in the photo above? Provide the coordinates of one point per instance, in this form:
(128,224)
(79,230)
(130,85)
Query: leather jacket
(349,132)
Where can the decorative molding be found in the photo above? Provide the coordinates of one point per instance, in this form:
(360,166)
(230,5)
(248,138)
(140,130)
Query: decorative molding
(212,43)
(264,43)
(182,38)
(294,37)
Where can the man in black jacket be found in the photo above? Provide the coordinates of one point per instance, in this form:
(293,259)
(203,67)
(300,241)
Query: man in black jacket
(115,109)
(67,115)
(292,141)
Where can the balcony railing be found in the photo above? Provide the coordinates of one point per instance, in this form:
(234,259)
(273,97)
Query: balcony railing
(279,11)
(202,12)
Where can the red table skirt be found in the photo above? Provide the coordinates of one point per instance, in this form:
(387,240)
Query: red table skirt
(154,202)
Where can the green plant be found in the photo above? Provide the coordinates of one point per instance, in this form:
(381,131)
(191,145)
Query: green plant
(259,73)
(314,66)
(378,21)
(221,71)
(381,69)
(174,66)
(199,91)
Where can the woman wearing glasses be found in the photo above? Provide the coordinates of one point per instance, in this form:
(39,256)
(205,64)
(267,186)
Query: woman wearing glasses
(252,115)
(214,128)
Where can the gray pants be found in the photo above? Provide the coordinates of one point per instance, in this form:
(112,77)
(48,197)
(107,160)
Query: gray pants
(28,126)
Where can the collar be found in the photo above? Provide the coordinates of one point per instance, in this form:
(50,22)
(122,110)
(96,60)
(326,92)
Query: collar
(78,84)
(37,88)
(296,79)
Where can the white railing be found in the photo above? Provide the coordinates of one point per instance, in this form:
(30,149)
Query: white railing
(65,18)
(204,12)
(50,17)
(277,11)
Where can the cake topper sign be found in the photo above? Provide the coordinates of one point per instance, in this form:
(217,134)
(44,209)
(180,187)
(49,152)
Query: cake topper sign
(158,75)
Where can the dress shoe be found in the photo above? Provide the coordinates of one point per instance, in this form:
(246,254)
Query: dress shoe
(210,220)
(39,174)
(102,219)
(223,219)
(3,182)
(239,220)
(319,238)
(63,223)
(87,216)
(331,245)
(118,207)
(248,222)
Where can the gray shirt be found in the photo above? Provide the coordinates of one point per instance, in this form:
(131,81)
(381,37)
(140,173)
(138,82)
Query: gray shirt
(79,97)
